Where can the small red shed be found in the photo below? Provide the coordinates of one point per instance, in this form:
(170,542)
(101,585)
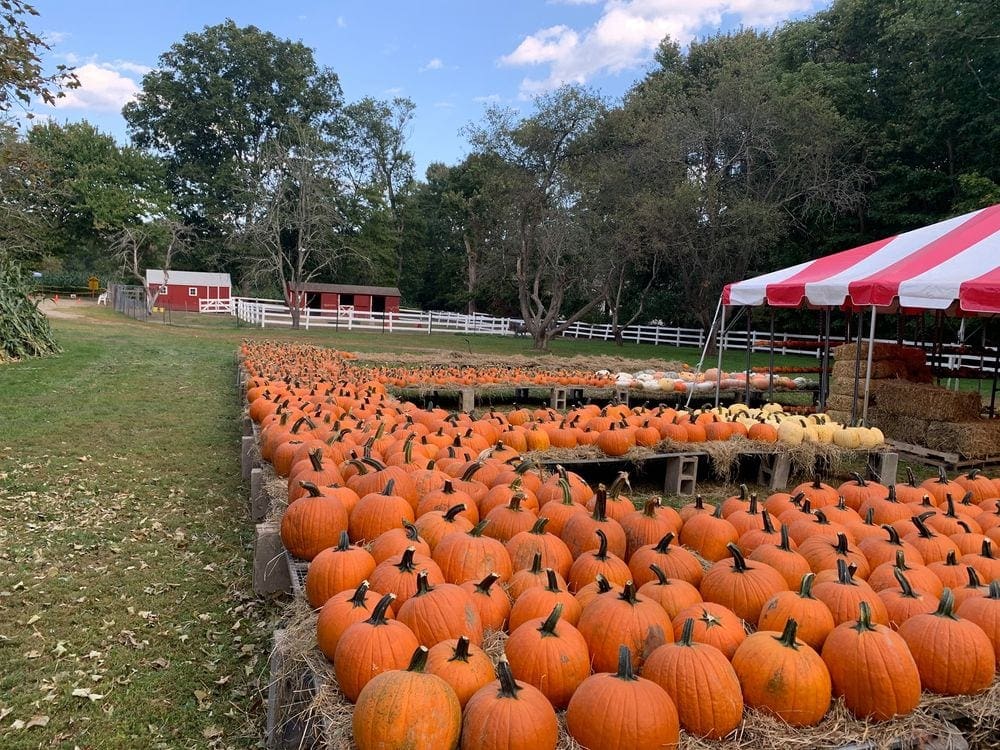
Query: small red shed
(364,299)
(184,290)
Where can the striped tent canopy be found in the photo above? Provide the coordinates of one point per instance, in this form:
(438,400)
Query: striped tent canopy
(951,265)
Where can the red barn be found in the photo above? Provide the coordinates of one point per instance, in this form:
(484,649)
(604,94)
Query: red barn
(184,290)
(364,299)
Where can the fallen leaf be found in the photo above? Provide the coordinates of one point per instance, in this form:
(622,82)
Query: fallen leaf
(37,721)
(211,732)
(33,619)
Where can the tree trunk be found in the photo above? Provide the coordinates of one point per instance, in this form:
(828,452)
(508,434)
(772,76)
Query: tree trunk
(472,277)
(541,338)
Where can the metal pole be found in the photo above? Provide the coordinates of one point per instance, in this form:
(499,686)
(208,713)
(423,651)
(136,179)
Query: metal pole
(857,371)
(746,385)
(824,370)
(868,372)
(704,349)
(770,363)
(720,338)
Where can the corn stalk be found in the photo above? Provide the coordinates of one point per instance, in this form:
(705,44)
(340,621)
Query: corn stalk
(24,329)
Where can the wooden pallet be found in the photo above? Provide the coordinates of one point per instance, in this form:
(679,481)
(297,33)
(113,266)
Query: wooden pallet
(942,459)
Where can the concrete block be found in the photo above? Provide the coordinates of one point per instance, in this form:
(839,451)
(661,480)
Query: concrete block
(260,501)
(270,570)
(248,458)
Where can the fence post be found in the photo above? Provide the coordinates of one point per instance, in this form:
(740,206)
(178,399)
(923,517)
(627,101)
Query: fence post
(307,318)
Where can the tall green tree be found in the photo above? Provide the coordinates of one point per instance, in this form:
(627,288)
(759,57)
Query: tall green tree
(541,241)
(22,74)
(215,103)
(98,188)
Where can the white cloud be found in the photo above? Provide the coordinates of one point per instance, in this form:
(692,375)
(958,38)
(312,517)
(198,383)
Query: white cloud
(444,105)
(102,88)
(341,22)
(53,38)
(488,99)
(394,91)
(435,63)
(628,32)
(128,67)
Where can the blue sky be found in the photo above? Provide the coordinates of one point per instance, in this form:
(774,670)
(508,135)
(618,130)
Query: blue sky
(452,58)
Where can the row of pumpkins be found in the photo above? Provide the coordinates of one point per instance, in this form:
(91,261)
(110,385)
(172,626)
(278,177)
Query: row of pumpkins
(610,611)
(706,382)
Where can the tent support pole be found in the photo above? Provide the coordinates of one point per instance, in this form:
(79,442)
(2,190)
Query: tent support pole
(704,349)
(718,345)
(770,363)
(868,371)
(746,385)
(824,368)
(996,373)
(857,370)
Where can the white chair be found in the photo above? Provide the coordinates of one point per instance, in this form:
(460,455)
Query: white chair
(103,299)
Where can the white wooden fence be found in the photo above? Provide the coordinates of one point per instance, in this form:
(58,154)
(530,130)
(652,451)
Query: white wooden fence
(264,313)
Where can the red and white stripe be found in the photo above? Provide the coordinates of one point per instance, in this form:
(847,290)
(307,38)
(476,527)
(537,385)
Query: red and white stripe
(957,260)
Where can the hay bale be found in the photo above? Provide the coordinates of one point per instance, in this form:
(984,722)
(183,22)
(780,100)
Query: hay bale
(925,401)
(881,369)
(841,402)
(971,439)
(880,352)
(844,417)
(900,427)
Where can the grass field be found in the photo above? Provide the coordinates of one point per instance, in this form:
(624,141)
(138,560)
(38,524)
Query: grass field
(126,616)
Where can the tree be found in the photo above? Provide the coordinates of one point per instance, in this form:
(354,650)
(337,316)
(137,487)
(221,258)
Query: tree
(738,156)
(99,188)
(151,244)
(26,195)
(295,228)
(21,73)
(541,240)
(376,157)
(213,106)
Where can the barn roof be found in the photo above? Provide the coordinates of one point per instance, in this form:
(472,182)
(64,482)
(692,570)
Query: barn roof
(188,278)
(375,291)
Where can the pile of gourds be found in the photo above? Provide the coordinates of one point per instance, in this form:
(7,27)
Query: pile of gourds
(633,621)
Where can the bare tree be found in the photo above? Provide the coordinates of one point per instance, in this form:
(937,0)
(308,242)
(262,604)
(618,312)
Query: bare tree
(155,244)
(552,257)
(296,227)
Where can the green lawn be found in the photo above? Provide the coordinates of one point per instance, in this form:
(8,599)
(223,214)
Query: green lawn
(126,616)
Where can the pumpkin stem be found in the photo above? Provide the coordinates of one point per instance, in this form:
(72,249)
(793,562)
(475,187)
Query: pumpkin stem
(844,575)
(904,584)
(345,542)
(864,621)
(478,529)
(752,510)
(922,528)
(600,513)
(410,531)
(739,562)
(603,584)
(901,560)
(461,652)
(602,549)
(419,660)
(360,595)
(768,526)
(699,503)
(471,471)
(389,487)
(316,459)
(787,637)
(616,486)
(911,479)
(786,543)
(508,685)
(649,507)
(552,583)
(718,511)
(548,627)
(661,577)
(406,561)
(483,586)
(951,558)
(942,476)
(662,546)
(625,671)
(946,606)
(821,518)
(974,581)
(965,527)
(536,564)
(452,513)
(797,498)
(311,488)
(567,492)
(538,527)
(514,503)
(841,547)
(892,494)
(687,632)
(743,492)
(378,614)
(448,488)
(423,585)
(817,485)
(628,593)
(806,587)
(860,480)
(994,590)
